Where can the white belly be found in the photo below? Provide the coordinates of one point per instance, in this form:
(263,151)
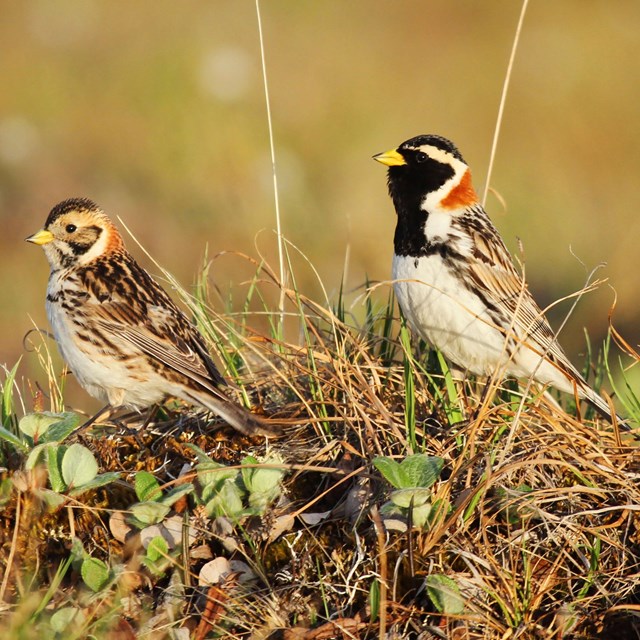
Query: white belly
(441,310)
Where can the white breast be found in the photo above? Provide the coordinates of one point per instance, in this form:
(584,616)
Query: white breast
(89,373)
(443,312)
(101,375)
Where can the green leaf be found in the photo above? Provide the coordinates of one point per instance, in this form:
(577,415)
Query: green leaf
(52,499)
(158,549)
(171,497)
(79,466)
(247,471)
(35,425)
(64,618)
(392,472)
(226,502)
(421,470)
(77,553)
(263,483)
(403,497)
(409,384)
(444,594)
(54,458)
(147,487)
(260,500)
(211,490)
(261,479)
(99,481)
(6,489)
(155,559)
(95,573)
(53,589)
(34,456)
(418,470)
(207,493)
(452,408)
(374,600)
(420,515)
(146,513)
(214,473)
(58,431)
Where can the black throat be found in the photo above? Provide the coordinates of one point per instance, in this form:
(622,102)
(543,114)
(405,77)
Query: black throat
(408,189)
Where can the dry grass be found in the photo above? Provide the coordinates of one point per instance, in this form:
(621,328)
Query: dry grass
(536,520)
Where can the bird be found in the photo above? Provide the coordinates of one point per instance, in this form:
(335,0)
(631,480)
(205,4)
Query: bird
(125,340)
(455,280)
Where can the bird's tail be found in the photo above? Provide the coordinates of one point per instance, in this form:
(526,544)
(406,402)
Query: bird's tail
(600,404)
(235,415)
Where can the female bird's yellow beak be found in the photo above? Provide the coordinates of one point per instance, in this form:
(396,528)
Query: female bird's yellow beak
(390,158)
(41,237)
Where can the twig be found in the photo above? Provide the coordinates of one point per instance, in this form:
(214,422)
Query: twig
(503,99)
(274,171)
(382,554)
(12,551)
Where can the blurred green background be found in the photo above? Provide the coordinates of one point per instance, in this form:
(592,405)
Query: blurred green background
(156,110)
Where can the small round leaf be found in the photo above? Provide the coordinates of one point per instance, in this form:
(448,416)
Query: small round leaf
(422,470)
(444,594)
(147,513)
(392,472)
(95,573)
(404,497)
(63,618)
(79,466)
(147,487)
(36,424)
(157,549)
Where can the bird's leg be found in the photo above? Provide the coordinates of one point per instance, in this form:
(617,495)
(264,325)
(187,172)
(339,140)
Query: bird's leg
(135,432)
(123,421)
(151,412)
(107,411)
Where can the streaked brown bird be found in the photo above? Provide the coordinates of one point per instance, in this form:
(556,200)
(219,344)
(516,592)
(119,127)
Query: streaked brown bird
(119,332)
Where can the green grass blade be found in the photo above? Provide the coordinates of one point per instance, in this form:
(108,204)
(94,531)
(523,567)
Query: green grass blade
(8,417)
(409,386)
(452,408)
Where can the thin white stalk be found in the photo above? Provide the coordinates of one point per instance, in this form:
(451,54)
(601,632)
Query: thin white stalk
(503,99)
(281,260)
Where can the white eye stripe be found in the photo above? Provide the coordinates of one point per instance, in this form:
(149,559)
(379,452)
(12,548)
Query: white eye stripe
(444,157)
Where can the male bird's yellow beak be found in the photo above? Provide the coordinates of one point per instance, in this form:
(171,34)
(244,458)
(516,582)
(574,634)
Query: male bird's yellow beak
(390,158)
(41,237)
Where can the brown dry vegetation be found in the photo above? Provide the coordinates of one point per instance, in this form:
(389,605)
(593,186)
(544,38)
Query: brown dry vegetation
(158,115)
(535,515)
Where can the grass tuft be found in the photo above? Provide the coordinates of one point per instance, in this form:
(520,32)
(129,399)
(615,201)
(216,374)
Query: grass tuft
(531,527)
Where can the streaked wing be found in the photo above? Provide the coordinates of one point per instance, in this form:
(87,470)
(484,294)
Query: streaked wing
(128,305)
(161,335)
(495,274)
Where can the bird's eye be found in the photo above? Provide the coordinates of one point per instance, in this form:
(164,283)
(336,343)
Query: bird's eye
(70,228)
(421,156)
